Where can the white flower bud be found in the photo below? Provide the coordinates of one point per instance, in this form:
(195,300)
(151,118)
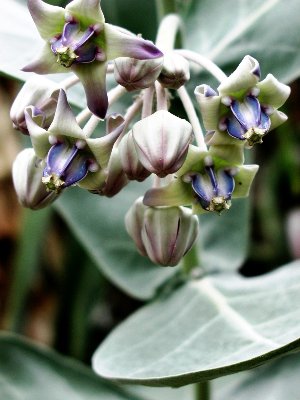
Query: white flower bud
(27,175)
(168,233)
(137,74)
(134,223)
(162,141)
(175,71)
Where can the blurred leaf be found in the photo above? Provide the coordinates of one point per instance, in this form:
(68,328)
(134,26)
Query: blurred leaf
(206,329)
(279,380)
(228,30)
(224,238)
(29,372)
(98,223)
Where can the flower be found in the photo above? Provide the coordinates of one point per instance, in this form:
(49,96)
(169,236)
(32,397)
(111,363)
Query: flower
(244,108)
(42,94)
(204,182)
(175,71)
(70,157)
(27,175)
(162,141)
(78,39)
(164,234)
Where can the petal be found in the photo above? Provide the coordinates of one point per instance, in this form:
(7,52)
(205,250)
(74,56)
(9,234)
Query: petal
(93,78)
(233,154)
(248,112)
(101,147)
(48,19)
(93,181)
(193,161)
(120,44)
(59,157)
(77,170)
(225,183)
(273,92)
(70,31)
(86,11)
(243,180)
(209,103)
(202,185)
(64,122)
(176,193)
(235,129)
(39,136)
(265,121)
(45,63)
(277,118)
(242,79)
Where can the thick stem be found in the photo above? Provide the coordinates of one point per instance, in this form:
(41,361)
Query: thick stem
(161,97)
(204,62)
(202,391)
(164,7)
(192,116)
(69,82)
(113,95)
(167,32)
(148,95)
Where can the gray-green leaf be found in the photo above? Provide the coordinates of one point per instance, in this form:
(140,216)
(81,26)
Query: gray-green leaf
(206,329)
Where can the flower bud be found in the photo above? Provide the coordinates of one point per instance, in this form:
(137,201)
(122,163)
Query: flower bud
(40,93)
(134,223)
(132,166)
(137,74)
(27,175)
(175,71)
(162,141)
(168,233)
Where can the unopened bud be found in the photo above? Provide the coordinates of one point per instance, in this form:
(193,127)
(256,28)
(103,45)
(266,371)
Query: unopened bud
(134,222)
(27,175)
(132,166)
(168,233)
(175,71)
(162,141)
(41,93)
(137,74)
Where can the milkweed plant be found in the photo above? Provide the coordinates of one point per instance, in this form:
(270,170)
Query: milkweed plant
(170,140)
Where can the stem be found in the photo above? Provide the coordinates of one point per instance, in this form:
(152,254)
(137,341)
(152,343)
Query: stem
(167,31)
(202,391)
(148,95)
(161,97)
(83,115)
(192,116)
(69,82)
(130,114)
(113,95)
(164,7)
(204,62)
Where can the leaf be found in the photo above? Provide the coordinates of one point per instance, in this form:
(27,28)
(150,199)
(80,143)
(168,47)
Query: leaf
(279,380)
(98,223)
(224,238)
(226,31)
(29,372)
(206,329)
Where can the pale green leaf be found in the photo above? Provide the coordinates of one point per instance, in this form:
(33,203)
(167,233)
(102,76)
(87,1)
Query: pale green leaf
(206,329)
(98,223)
(28,372)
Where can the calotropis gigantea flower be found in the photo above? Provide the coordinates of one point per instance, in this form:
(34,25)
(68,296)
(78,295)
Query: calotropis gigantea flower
(41,93)
(244,108)
(27,172)
(162,141)
(164,234)
(205,182)
(78,39)
(70,157)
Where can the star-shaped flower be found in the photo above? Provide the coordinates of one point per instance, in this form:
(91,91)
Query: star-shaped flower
(244,108)
(71,157)
(78,39)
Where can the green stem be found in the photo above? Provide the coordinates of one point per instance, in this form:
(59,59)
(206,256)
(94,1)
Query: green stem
(27,259)
(164,7)
(202,391)
(191,260)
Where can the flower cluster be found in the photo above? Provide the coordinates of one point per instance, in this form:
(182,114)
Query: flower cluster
(189,176)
